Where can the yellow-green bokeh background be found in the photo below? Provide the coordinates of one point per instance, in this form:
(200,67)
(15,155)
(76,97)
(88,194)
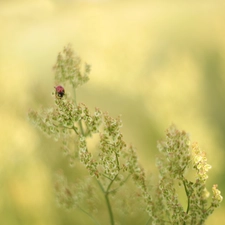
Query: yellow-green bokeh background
(155,62)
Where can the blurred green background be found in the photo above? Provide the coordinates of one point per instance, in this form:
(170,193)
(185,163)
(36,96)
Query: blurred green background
(154,62)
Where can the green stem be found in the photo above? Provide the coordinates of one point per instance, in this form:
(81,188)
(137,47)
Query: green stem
(107,200)
(100,185)
(110,184)
(106,177)
(93,219)
(75,101)
(121,183)
(81,127)
(75,129)
(148,221)
(74,95)
(117,162)
(188,195)
(109,208)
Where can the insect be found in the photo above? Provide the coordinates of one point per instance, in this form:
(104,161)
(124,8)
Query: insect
(59,91)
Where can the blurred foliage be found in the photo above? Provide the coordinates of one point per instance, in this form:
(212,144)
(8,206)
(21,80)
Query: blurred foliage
(154,62)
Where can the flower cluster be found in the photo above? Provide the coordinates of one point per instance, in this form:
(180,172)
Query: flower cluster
(217,197)
(87,159)
(92,122)
(200,162)
(178,155)
(111,145)
(68,68)
(58,120)
(175,151)
(43,121)
(114,158)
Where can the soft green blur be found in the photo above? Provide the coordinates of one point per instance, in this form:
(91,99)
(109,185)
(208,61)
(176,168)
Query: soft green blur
(155,62)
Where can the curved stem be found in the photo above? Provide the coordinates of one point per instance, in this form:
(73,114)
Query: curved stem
(95,221)
(188,196)
(109,208)
(148,221)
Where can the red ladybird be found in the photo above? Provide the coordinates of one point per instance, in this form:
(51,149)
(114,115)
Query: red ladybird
(59,91)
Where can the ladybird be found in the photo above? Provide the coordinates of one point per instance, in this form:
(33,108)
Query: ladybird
(59,91)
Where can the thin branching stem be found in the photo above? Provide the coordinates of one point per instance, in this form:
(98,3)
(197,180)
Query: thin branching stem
(92,218)
(75,102)
(121,183)
(100,185)
(110,184)
(188,195)
(107,201)
(106,177)
(148,221)
(117,162)
(75,129)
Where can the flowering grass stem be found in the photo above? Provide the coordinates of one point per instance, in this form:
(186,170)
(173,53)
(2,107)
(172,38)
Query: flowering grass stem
(114,161)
